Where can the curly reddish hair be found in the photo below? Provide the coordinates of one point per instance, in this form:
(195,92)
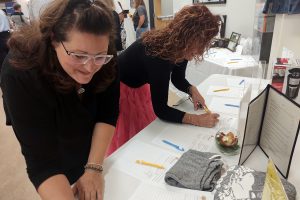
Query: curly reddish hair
(192,28)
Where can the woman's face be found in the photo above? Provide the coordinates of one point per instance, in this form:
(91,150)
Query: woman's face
(194,51)
(191,53)
(80,43)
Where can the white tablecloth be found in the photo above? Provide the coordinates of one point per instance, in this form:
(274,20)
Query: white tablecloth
(220,61)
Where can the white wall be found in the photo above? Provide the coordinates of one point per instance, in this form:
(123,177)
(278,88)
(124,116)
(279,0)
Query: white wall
(178,4)
(240,14)
(167,7)
(286,34)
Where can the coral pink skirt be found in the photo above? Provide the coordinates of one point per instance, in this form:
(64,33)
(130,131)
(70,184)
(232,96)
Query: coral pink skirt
(136,112)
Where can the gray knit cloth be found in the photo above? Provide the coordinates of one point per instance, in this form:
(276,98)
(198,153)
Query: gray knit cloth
(240,182)
(195,170)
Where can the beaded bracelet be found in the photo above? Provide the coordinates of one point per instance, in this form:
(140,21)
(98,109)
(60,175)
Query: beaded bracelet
(93,166)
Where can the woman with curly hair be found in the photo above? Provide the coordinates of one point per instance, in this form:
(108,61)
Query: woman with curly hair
(148,64)
(61,94)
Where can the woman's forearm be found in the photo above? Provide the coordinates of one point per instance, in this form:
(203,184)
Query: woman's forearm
(102,137)
(187,118)
(141,21)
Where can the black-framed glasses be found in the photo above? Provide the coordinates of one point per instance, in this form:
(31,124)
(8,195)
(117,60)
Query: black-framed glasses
(82,58)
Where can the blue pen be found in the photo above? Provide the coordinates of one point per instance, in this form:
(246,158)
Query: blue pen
(231,105)
(242,81)
(173,145)
(236,59)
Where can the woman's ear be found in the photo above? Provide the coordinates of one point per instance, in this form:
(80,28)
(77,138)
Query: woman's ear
(53,42)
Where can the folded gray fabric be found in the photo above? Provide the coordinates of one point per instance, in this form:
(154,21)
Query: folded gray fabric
(240,182)
(195,170)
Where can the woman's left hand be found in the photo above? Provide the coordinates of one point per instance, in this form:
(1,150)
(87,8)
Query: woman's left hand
(196,97)
(90,186)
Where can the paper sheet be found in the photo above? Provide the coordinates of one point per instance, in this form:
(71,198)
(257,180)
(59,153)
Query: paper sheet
(138,150)
(237,82)
(217,105)
(150,192)
(200,139)
(233,92)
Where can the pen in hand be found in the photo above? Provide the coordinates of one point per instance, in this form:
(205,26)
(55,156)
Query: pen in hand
(207,110)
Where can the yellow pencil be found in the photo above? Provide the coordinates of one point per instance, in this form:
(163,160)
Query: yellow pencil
(206,109)
(231,62)
(142,162)
(221,90)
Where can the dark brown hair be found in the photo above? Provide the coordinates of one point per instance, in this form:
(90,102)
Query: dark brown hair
(31,46)
(16,6)
(139,3)
(193,26)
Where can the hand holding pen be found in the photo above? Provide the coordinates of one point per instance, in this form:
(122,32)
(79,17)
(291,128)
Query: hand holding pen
(197,98)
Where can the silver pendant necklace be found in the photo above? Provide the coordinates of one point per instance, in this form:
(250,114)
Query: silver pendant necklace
(80,90)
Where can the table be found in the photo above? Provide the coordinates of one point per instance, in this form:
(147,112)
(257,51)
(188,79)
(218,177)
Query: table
(220,61)
(121,185)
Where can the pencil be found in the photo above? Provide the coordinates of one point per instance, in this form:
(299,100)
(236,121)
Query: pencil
(221,90)
(206,109)
(142,162)
(231,62)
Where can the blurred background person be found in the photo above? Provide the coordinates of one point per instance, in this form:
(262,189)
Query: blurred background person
(18,18)
(4,35)
(140,18)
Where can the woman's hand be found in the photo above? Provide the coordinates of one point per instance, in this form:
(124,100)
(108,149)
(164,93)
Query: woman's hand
(196,97)
(208,120)
(90,186)
(121,17)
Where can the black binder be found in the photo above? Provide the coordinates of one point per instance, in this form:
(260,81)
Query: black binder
(273,122)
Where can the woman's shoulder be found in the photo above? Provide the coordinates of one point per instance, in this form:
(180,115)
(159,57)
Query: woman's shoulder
(26,80)
(136,48)
(115,13)
(138,44)
(29,77)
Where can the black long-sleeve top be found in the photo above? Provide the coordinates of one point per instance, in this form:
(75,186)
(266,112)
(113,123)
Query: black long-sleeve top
(137,69)
(54,129)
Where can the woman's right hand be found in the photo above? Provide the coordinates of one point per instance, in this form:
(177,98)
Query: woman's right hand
(208,120)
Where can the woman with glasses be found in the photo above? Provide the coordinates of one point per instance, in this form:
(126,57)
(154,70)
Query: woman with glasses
(148,65)
(61,94)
